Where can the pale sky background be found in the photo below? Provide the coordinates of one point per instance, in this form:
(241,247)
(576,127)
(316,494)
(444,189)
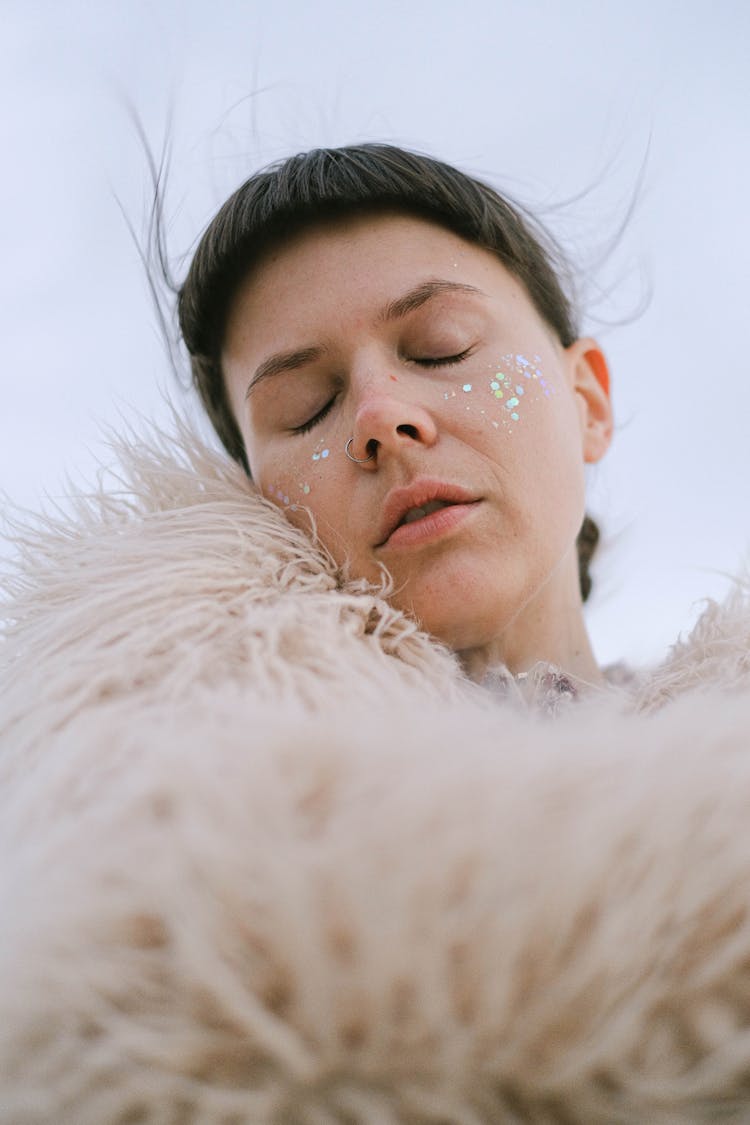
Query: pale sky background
(549,100)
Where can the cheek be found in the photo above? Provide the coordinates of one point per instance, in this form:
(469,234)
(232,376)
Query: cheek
(518,414)
(503,395)
(299,477)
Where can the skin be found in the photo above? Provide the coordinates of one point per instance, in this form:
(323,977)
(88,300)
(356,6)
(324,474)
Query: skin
(502,585)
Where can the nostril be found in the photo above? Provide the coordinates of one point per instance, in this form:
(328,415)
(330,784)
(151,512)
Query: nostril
(410,431)
(372,447)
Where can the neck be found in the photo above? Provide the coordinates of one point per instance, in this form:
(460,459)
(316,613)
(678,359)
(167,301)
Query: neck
(550,628)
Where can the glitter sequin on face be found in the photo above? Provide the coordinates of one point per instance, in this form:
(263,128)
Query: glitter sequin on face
(273,492)
(506,385)
(530,369)
(276,493)
(321,452)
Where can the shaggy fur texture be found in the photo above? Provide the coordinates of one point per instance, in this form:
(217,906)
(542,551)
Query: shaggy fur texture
(268,858)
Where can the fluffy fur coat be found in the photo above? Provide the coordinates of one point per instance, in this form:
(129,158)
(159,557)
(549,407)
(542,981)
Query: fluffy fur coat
(267,857)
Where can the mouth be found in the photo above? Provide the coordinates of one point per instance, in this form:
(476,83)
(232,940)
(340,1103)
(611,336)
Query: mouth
(419,513)
(425,510)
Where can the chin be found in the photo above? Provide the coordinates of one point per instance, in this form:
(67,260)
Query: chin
(458,624)
(467,598)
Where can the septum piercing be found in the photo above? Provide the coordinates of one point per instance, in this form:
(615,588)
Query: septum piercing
(356,460)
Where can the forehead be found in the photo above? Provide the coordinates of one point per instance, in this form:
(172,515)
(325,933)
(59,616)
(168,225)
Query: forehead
(384,235)
(357,263)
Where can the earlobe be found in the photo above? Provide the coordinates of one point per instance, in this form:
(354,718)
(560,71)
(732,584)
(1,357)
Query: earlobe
(590,379)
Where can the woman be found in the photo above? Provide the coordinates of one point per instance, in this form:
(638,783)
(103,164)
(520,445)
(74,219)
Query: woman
(371,326)
(269,853)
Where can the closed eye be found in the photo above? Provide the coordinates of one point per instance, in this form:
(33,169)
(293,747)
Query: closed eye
(422,361)
(316,418)
(443,360)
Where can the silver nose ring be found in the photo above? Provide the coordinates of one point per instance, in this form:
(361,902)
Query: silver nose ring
(356,460)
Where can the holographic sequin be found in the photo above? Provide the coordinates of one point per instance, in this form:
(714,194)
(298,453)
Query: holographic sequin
(506,383)
(320,454)
(276,493)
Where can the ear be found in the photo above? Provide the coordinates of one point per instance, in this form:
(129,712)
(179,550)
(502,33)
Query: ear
(589,378)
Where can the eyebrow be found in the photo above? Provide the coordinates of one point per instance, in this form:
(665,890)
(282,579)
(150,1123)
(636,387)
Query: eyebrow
(394,310)
(419,296)
(284,361)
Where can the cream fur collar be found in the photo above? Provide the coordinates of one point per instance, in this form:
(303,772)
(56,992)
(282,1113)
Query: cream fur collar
(268,857)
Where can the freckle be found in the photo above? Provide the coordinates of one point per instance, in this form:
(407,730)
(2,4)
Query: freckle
(393,378)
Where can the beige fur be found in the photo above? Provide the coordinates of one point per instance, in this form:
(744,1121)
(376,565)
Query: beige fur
(267,857)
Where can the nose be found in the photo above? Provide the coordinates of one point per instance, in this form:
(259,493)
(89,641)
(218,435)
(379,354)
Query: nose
(386,422)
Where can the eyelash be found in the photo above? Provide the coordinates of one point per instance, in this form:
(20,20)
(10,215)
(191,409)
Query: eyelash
(444,361)
(437,361)
(311,422)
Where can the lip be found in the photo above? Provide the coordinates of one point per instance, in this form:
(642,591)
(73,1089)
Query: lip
(420,492)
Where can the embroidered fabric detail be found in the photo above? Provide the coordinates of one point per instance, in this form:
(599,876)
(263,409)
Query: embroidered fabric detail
(547,688)
(544,688)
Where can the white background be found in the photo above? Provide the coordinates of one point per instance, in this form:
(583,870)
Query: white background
(548,100)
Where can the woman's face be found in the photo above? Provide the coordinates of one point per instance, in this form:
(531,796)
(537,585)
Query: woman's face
(426,351)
